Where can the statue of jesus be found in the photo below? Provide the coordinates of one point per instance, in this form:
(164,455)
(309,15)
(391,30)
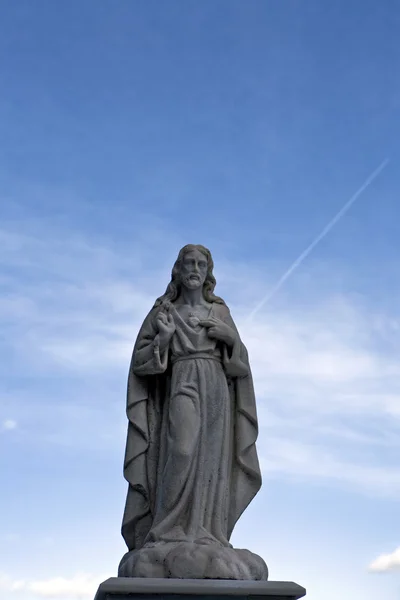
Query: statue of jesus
(191,461)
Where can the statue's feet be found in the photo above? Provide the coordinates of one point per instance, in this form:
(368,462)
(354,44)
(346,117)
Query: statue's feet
(190,560)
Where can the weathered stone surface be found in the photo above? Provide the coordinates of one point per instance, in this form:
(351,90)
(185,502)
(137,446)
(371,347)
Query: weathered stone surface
(128,588)
(185,560)
(191,460)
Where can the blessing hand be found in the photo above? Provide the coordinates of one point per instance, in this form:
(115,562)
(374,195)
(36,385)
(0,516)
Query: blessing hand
(218,330)
(165,325)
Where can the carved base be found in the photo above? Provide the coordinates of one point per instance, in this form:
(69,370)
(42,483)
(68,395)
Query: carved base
(131,588)
(186,560)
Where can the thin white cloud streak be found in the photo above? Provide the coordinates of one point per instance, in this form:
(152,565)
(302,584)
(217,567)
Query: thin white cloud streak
(293,459)
(318,239)
(386,562)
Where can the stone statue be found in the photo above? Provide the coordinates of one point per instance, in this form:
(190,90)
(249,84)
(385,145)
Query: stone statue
(191,461)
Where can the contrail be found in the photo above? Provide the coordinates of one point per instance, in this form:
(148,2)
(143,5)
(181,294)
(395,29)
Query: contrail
(319,237)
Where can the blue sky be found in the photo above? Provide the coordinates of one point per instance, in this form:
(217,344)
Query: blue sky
(131,128)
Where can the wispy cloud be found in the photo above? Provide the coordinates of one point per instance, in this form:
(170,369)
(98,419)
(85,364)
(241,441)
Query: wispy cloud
(81,585)
(8,425)
(386,562)
(301,460)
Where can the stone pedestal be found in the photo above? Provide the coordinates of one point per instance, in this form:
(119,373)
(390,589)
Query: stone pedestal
(136,588)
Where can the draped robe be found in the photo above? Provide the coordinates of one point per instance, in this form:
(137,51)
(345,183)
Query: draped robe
(190,460)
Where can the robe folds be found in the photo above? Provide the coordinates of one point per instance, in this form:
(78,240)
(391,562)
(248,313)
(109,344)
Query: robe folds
(190,459)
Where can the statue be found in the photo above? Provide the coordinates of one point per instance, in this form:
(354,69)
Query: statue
(191,461)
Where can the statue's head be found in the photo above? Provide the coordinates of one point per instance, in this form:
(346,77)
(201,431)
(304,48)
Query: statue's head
(193,268)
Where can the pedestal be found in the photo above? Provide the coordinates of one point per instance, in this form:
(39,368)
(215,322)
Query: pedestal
(136,588)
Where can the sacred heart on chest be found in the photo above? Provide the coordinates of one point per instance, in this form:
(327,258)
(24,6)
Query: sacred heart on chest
(194,320)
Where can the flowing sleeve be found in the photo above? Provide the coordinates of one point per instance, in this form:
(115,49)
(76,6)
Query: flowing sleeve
(245,474)
(235,359)
(147,357)
(145,396)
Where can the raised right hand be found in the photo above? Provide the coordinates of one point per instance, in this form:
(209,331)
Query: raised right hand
(166,326)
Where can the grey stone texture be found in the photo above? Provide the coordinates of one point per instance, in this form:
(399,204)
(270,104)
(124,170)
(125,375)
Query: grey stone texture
(191,460)
(132,588)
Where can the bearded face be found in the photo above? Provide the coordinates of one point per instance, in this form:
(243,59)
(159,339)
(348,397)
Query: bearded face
(193,269)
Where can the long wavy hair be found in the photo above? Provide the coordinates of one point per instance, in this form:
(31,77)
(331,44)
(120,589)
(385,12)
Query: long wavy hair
(174,287)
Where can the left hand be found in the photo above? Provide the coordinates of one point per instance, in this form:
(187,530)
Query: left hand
(218,330)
